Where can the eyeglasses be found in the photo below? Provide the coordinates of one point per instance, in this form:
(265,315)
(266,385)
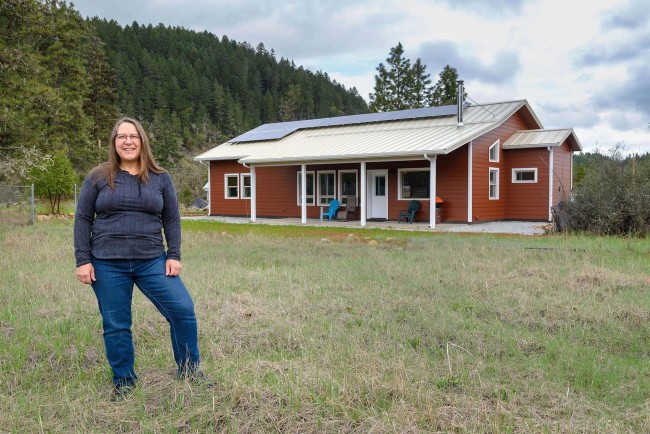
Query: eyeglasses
(123,137)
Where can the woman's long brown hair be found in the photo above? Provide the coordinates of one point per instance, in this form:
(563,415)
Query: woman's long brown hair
(109,169)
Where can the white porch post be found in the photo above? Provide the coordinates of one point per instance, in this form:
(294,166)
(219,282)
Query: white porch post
(253,194)
(432,192)
(364,194)
(469,182)
(209,188)
(550,183)
(303,193)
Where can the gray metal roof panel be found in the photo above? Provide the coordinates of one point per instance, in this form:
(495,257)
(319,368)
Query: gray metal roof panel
(279,130)
(542,138)
(432,135)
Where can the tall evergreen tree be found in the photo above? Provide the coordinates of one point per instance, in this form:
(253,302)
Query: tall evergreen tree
(400,85)
(446,89)
(393,83)
(421,92)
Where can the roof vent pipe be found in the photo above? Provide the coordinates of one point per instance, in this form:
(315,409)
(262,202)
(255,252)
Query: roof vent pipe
(460,98)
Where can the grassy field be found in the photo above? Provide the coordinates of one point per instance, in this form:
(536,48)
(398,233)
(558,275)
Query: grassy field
(317,330)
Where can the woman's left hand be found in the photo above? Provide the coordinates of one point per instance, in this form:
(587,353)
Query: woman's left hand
(173,267)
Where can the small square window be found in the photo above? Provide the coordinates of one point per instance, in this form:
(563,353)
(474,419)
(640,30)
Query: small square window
(232,186)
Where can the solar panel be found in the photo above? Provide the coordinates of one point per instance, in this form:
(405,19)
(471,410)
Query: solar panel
(279,130)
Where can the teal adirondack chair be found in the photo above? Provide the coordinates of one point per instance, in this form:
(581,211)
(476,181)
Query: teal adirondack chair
(330,213)
(409,214)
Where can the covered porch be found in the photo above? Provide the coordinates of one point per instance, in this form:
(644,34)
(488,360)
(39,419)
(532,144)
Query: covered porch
(369,191)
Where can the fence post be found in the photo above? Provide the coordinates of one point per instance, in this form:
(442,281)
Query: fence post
(75,197)
(33,208)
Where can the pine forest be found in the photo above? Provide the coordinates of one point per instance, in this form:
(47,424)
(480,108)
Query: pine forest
(64,81)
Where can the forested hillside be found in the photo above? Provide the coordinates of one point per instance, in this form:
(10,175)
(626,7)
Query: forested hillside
(64,81)
(205,90)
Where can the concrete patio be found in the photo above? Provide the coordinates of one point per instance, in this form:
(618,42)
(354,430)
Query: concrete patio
(504,227)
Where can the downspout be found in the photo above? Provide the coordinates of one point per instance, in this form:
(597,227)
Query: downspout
(253,191)
(432,190)
(550,182)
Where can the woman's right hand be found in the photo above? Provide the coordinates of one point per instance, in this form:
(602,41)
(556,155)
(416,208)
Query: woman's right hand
(86,273)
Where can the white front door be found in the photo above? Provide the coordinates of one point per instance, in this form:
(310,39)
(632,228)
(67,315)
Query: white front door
(377,194)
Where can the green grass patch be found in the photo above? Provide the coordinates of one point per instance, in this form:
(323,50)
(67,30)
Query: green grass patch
(340,330)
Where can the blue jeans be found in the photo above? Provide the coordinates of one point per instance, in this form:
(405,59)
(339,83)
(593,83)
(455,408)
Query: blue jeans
(114,290)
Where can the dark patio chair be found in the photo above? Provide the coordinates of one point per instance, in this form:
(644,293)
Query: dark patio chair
(351,208)
(409,214)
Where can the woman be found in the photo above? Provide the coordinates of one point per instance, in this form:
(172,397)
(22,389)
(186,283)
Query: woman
(123,206)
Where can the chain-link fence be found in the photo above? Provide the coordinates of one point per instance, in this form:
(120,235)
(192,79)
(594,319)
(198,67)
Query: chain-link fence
(17,205)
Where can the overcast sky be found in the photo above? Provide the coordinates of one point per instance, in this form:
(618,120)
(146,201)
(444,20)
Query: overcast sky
(580,63)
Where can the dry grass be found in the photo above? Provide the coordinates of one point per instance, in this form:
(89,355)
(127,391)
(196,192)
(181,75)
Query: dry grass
(369,331)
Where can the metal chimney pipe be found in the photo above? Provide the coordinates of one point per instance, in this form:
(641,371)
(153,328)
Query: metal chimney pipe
(460,101)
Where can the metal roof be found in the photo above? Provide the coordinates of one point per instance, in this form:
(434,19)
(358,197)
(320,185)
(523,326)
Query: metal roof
(282,129)
(378,139)
(543,138)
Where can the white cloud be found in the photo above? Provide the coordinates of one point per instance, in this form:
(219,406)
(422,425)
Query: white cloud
(580,63)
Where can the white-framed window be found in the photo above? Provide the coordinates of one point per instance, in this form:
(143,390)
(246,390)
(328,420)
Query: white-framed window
(246,186)
(524,176)
(310,188)
(413,184)
(493,153)
(326,186)
(493,183)
(348,186)
(231,185)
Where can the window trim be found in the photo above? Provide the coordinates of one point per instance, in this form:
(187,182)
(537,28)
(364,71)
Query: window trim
(333,196)
(496,145)
(356,185)
(399,183)
(524,169)
(243,186)
(490,170)
(298,180)
(226,187)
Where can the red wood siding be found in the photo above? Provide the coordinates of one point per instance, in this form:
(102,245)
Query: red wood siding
(482,207)
(526,201)
(451,171)
(562,173)
(277,188)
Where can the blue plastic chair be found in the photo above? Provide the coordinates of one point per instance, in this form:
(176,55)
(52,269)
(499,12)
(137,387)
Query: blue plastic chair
(331,211)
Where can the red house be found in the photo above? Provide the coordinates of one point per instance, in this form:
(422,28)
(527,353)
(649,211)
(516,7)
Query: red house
(486,162)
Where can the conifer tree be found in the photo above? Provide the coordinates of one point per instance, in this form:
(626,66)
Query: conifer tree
(421,92)
(400,85)
(393,82)
(446,89)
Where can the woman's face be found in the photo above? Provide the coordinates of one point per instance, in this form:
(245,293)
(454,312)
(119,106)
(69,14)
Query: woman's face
(127,142)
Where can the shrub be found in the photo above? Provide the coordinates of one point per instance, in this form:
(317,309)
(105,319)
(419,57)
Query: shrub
(613,198)
(55,180)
